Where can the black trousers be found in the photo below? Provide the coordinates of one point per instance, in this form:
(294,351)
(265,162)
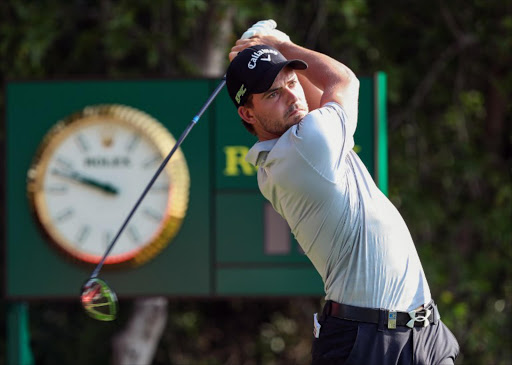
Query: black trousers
(357,343)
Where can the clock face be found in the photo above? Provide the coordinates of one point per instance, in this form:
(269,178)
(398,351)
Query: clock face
(90,171)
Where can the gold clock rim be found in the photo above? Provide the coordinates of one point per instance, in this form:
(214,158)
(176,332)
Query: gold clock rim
(156,133)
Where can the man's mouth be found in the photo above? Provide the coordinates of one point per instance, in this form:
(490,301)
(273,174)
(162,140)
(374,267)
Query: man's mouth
(293,110)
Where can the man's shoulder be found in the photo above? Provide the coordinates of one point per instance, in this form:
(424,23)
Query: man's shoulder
(327,108)
(330,110)
(321,120)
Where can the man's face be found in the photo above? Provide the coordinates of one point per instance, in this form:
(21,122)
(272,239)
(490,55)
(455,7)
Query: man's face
(280,107)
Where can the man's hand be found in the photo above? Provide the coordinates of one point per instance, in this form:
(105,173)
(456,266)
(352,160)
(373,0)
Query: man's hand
(263,32)
(265,27)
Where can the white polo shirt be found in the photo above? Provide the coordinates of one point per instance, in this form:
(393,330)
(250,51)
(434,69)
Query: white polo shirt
(351,232)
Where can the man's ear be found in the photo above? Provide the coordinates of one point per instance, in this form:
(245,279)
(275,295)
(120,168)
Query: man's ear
(246,114)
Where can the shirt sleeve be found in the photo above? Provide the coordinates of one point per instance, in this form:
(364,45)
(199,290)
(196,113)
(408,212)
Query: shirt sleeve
(324,138)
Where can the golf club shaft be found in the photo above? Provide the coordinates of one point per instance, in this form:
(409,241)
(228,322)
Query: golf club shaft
(157,173)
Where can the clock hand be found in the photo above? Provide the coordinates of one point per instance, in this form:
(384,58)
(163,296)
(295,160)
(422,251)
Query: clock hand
(73,175)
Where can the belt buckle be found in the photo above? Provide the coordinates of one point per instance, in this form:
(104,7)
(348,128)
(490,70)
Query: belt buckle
(420,316)
(392,320)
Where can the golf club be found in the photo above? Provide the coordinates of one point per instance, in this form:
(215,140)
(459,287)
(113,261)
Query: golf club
(97,298)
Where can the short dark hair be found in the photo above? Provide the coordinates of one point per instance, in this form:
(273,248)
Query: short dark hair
(249,126)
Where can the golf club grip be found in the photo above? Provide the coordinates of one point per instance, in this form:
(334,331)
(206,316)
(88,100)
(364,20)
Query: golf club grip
(157,173)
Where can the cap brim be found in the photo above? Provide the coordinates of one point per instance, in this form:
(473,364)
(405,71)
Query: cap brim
(271,74)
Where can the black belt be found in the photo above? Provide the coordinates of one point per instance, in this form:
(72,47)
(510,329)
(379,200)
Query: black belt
(416,318)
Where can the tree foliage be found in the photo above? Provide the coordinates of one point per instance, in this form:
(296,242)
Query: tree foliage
(450,150)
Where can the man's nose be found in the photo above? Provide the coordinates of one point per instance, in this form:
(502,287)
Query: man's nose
(291,95)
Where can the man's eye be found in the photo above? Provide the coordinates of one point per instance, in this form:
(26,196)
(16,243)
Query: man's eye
(272,95)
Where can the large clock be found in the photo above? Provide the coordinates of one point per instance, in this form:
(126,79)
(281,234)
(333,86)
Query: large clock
(88,173)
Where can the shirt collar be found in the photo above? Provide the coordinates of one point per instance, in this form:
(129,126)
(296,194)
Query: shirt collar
(258,153)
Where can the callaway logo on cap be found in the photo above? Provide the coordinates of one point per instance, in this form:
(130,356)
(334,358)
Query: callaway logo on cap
(257,54)
(254,70)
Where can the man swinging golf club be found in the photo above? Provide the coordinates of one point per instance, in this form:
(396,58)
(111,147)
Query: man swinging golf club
(302,106)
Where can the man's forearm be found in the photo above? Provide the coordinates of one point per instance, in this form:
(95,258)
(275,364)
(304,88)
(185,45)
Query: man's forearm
(327,74)
(322,71)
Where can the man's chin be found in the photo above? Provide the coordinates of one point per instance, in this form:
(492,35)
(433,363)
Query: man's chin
(296,116)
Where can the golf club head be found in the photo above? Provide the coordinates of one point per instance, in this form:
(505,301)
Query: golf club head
(98,300)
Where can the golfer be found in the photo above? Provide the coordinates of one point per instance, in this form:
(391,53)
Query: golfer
(302,106)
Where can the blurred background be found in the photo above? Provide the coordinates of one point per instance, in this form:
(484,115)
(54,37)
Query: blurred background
(450,154)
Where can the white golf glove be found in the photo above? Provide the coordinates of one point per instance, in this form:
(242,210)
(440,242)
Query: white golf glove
(266,27)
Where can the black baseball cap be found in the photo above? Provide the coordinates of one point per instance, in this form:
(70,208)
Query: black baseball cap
(254,70)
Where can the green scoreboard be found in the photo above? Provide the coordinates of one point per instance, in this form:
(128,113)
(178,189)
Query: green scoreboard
(229,242)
